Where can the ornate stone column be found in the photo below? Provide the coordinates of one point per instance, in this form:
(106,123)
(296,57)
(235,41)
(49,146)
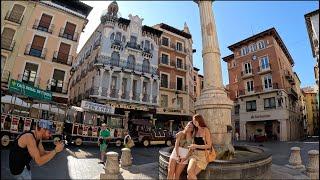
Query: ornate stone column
(141,88)
(109,85)
(151,87)
(131,86)
(213,104)
(101,78)
(120,86)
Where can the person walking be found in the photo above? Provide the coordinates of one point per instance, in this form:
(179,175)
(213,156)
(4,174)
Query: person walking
(27,146)
(237,136)
(102,142)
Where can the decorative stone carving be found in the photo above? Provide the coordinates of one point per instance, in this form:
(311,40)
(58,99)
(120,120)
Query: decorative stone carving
(313,164)
(295,159)
(126,158)
(112,168)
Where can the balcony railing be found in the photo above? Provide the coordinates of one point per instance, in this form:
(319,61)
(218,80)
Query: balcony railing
(35,52)
(147,52)
(174,46)
(125,64)
(116,44)
(174,86)
(114,93)
(104,91)
(125,95)
(145,97)
(42,26)
(94,90)
(293,93)
(264,69)
(133,46)
(5,76)
(57,86)
(62,58)
(7,43)
(136,96)
(257,89)
(73,37)
(247,73)
(34,81)
(164,61)
(14,17)
(178,66)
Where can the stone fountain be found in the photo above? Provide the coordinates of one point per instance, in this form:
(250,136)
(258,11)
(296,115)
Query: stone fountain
(236,162)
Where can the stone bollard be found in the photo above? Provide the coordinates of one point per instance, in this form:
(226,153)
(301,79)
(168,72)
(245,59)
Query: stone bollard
(313,164)
(112,169)
(295,159)
(126,158)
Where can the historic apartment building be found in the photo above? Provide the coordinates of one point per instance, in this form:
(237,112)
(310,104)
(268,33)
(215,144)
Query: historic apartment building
(176,69)
(312,22)
(312,110)
(198,83)
(39,43)
(265,89)
(118,66)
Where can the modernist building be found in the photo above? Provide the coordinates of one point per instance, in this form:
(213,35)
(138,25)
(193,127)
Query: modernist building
(39,40)
(312,22)
(176,69)
(312,115)
(264,88)
(118,66)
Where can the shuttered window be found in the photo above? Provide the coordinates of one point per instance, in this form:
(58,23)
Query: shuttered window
(64,52)
(38,42)
(7,37)
(45,21)
(16,13)
(70,28)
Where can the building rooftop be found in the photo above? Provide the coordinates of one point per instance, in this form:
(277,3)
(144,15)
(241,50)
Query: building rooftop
(75,5)
(272,31)
(308,89)
(151,30)
(309,28)
(175,30)
(196,69)
(228,58)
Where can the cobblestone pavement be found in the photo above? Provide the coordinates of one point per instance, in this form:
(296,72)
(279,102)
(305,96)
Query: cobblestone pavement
(82,163)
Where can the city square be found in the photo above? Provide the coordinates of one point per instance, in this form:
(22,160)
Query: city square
(106,90)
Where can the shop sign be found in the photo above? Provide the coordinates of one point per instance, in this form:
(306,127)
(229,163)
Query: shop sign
(260,116)
(27,124)
(29,90)
(107,109)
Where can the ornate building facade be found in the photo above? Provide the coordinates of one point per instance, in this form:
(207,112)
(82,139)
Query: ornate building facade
(118,65)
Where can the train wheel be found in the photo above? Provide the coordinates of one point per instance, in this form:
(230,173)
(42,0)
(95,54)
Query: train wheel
(169,143)
(5,140)
(78,141)
(146,143)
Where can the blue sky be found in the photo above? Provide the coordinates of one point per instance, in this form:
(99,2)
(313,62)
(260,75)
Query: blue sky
(235,21)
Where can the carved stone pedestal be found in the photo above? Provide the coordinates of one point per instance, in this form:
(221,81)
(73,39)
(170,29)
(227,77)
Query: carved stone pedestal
(295,159)
(313,164)
(112,169)
(126,158)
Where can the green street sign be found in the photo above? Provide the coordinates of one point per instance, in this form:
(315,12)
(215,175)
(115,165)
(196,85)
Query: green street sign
(29,90)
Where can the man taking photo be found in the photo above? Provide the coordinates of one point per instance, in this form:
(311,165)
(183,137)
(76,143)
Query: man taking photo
(103,136)
(28,146)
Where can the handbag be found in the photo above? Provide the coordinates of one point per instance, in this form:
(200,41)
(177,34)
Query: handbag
(130,142)
(210,154)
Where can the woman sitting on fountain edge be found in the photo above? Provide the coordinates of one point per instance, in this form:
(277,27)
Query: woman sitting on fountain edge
(178,160)
(202,141)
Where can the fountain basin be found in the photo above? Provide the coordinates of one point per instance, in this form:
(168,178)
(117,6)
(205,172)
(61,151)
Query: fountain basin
(250,162)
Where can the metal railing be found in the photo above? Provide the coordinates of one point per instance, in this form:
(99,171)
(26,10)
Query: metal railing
(174,46)
(104,91)
(35,52)
(125,64)
(14,17)
(164,61)
(145,97)
(173,85)
(34,81)
(57,86)
(125,95)
(133,46)
(136,96)
(7,43)
(46,27)
(266,68)
(73,37)
(62,58)
(114,93)
(248,72)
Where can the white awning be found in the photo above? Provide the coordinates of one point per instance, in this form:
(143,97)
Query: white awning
(14,100)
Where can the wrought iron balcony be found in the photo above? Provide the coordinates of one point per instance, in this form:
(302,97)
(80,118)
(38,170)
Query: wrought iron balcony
(57,86)
(174,86)
(35,51)
(62,58)
(43,26)
(104,91)
(247,73)
(34,81)
(73,37)
(164,61)
(7,43)
(266,69)
(14,17)
(133,45)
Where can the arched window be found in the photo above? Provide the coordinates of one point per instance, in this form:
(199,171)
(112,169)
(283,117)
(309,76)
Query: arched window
(145,66)
(118,36)
(131,62)
(112,36)
(147,45)
(253,47)
(16,13)
(7,41)
(115,58)
(261,44)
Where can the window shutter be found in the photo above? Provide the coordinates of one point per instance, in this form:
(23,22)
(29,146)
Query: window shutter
(38,42)
(45,21)
(64,51)
(70,28)
(17,12)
